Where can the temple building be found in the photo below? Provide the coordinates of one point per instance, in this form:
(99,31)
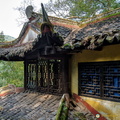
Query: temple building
(63,56)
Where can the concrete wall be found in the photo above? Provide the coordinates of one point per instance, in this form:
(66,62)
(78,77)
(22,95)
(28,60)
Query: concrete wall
(109,109)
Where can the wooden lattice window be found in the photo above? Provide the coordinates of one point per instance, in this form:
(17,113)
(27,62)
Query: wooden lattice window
(50,75)
(45,75)
(100,79)
(32,75)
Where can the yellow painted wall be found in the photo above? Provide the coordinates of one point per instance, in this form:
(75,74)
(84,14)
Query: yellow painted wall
(111,110)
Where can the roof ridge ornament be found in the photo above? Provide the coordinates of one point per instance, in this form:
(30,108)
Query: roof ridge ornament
(44,13)
(46,20)
(29,11)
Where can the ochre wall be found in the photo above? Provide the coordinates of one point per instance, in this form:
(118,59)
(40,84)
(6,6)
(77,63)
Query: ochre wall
(111,110)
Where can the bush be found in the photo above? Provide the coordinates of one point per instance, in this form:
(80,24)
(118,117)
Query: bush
(11,73)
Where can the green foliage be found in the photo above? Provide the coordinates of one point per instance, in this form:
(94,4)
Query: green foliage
(67,46)
(64,112)
(2,37)
(81,8)
(85,8)
(81,116)
(11,73)
(108,16)
(59,8)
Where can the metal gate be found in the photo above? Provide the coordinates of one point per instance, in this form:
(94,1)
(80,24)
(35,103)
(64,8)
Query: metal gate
(45,75)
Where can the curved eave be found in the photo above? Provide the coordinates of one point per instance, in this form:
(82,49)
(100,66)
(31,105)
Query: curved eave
(15,50)
(15,53)
(95,35)
(12,43)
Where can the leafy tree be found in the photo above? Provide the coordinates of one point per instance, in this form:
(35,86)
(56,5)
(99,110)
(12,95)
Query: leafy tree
(81,8)
(10,72)
(89,8)
(2,37)
(59,8)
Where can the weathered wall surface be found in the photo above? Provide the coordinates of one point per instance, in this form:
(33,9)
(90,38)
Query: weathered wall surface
(108,109)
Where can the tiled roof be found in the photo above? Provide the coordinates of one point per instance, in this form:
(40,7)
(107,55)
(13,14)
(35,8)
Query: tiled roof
(16,52)
(36,106)
(92,36)
(29,106)
(95,35)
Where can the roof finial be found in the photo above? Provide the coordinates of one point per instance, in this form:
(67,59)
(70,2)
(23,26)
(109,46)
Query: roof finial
(46,20)
(45,16)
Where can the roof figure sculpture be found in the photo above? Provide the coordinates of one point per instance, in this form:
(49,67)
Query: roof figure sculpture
(29,11)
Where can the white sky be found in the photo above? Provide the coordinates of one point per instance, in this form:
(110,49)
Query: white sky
(9,16)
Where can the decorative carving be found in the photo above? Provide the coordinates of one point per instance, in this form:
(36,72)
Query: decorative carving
(29,11)
(48,39)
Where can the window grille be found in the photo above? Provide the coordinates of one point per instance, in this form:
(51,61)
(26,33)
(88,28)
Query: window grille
(50,75)
(100,79)
(31,76)
(44,75)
